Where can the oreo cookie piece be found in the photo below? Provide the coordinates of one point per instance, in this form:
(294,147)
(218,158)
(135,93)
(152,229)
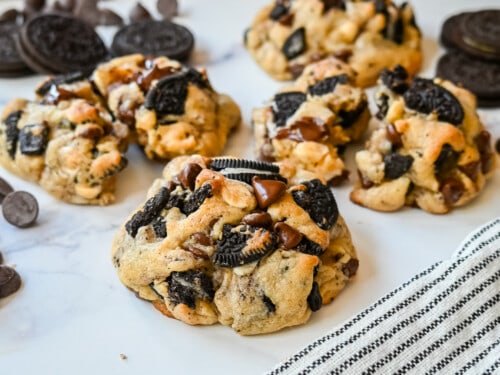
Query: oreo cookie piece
(480,77)
(154,38)
(11,64)
(51,43)
(218,164)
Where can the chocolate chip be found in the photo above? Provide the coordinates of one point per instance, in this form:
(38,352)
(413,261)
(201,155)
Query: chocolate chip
(5,189)
(10,281)
(343,54)
(396,165)
(285,105)
(188,286)
(33,139)
(349,269)
(288,236)
(304,129)
(452,190)
(187,177)
(258,219)
(447,160)
(201,238)
(366,183)
(20,208)
(471,169)
(267,191)
(295,44)
(167,8)
(271,307)
(327,85)
(393,136)
(314,299)
(139,13)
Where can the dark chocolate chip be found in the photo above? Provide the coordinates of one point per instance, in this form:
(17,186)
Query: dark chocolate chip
(196,199)
(396,80)
(10,281)
(167,8)
(425,96)
(366,183)
(396,165)
(349,269)
(452,190)
(20,208)
(188,286)
(218,164)
(201,238)
(150,211)
(285,105)
(314,299)
(310,247)
(33,139)
(267,191)
(5,189)
(447,160)
(139,13)
(295,44)
(393,136)
(258,219)
(303,130)
(471,169)
(271,307)
(318,201)
(288,236)
(327,85)
(12,132)
(243,244)
(187,177)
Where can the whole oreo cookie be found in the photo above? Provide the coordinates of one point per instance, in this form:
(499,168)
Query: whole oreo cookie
(449,30)
(481,34)
(52,43)
(156,38)
(11,64)
(480,77)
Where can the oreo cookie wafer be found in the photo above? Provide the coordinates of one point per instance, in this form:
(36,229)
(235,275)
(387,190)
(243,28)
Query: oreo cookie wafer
(11,64)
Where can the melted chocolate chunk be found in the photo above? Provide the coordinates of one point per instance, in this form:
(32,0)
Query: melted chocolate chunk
(327,85)
(314,299)
(396,165)
(318,201)
(447,160)
(295,44)
(33,139)
(258,219)
(12,132)
(188,286)
(187,177)
(150,211)
(425,96)
(285,105)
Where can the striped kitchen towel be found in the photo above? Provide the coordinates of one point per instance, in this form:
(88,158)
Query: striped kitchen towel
(444,320)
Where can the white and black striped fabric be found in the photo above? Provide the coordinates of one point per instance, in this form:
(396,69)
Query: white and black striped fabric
(445,320)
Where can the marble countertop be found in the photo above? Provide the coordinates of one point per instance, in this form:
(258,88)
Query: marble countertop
(72,315)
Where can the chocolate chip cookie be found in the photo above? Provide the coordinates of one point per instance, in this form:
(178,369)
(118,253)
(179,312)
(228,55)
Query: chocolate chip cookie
(232,241)
(430,149)
(286,36)
(307,124)
(172,109)
(66,141)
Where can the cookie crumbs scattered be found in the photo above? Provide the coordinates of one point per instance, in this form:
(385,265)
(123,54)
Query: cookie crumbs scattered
(123,357)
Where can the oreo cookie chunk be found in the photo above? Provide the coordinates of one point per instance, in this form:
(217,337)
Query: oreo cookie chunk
(10,281)
(481,77)
(51,43)
(307,124)
(430,150)
(11,64)
(207,247)
(154,38)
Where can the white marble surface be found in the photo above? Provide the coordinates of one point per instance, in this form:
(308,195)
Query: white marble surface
(73,316)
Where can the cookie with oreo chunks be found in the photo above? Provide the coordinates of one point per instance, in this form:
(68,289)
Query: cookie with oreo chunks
(66,141)
(11,64)
(171,108)
(208,246)
(429,150)
(308,123)
(154,38)
(55,44)
(286,36)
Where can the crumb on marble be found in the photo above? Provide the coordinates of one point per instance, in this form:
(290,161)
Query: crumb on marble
(123,357)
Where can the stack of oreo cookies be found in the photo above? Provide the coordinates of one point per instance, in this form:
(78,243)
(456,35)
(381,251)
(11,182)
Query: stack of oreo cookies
(473,58)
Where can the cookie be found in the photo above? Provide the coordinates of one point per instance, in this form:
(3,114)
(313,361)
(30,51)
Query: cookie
(172,109)
(450,30)
(429,150)
(52,43)
(154,38)
(308,123)
(66,141)
(286,36)
(11,64)
(480,34)
(207,247)
(480,77)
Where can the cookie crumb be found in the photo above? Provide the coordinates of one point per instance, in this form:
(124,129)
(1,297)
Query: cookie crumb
(123,357)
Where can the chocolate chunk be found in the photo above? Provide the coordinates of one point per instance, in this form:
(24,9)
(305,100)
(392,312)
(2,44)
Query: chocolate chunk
(396,80)
(5,189)
(447,160)
(10,281)
(267,191)
(258,219)
(188,286)
(196,199)
(310,247)
(425,96)
(333,4)
(471,169)
(20,208)
(218,164)
(452,190)
(318,201)
(138,13)
(295,44)
(327,85)
(187,177)
(271,307)
(285,105)
(278,11)
(243,244)
(167,8)
(33,139)
(304,129)
(314,299)
(288,236)
(393,136)
(349,269)
(396,165)
(150,211)
(12,132)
